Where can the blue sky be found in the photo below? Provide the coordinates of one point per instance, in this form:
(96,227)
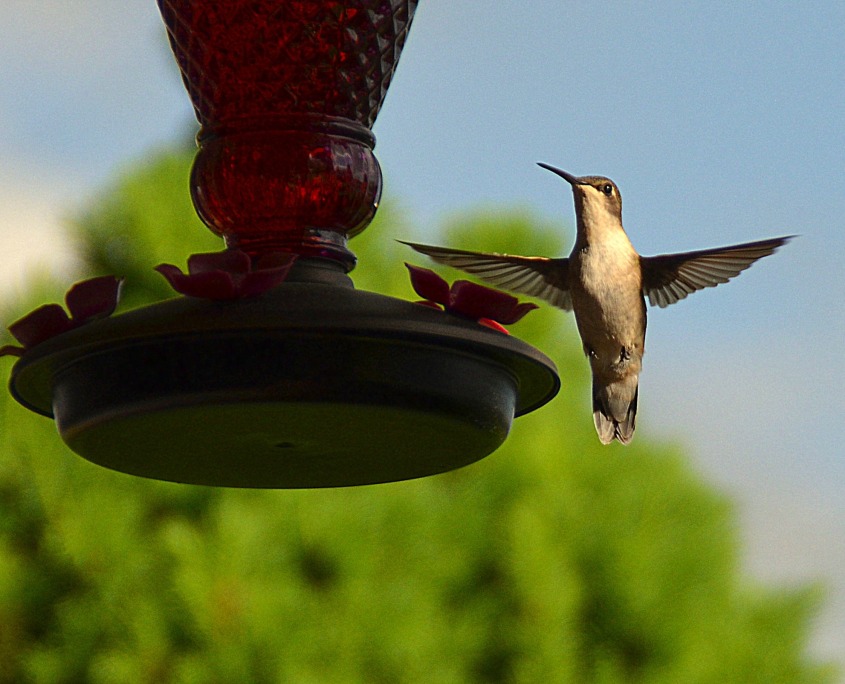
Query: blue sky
(721,122)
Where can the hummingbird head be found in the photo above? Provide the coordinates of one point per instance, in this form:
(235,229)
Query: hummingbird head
(596,198)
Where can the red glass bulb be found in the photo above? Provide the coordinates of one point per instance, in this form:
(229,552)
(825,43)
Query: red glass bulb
(286,92)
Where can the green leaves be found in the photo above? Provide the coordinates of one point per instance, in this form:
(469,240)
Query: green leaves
(554,559)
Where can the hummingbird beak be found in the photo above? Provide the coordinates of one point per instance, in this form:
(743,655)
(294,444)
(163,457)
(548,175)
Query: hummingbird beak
(568,177)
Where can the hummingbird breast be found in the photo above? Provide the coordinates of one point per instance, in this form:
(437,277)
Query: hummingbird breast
(609,308)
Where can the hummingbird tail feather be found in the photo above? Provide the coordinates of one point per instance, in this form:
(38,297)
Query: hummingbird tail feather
(615,409)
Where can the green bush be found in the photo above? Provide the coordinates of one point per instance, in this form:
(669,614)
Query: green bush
(553,560)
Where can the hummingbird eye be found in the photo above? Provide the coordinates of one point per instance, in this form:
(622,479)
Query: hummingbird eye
(607,189)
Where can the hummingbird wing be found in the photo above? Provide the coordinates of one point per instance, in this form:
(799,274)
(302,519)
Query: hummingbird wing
(671,277)
(540,277)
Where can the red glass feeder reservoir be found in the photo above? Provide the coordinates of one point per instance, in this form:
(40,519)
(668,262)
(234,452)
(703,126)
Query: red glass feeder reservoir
(307,383)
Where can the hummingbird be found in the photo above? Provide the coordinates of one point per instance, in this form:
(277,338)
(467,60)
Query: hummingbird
(605,283)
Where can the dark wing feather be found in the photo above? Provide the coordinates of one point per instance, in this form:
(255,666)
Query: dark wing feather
(671,277)
(541,277)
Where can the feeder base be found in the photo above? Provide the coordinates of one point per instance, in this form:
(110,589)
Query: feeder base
(313,384)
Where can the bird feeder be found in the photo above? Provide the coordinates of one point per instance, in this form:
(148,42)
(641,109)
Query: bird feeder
(307,382)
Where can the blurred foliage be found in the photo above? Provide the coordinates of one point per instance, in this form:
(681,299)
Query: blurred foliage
(553,560)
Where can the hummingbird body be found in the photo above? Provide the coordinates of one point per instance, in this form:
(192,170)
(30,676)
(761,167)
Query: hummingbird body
(604,282)
(606,289)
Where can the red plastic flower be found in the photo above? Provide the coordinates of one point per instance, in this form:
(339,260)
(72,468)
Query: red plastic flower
(231,274)
(86,301)
(483,304)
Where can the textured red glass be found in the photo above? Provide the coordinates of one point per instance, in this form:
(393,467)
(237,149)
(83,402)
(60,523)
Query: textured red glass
(293,190)
(286,92)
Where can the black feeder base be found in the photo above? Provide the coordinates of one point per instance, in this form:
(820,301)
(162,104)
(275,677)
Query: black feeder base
(313,384)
